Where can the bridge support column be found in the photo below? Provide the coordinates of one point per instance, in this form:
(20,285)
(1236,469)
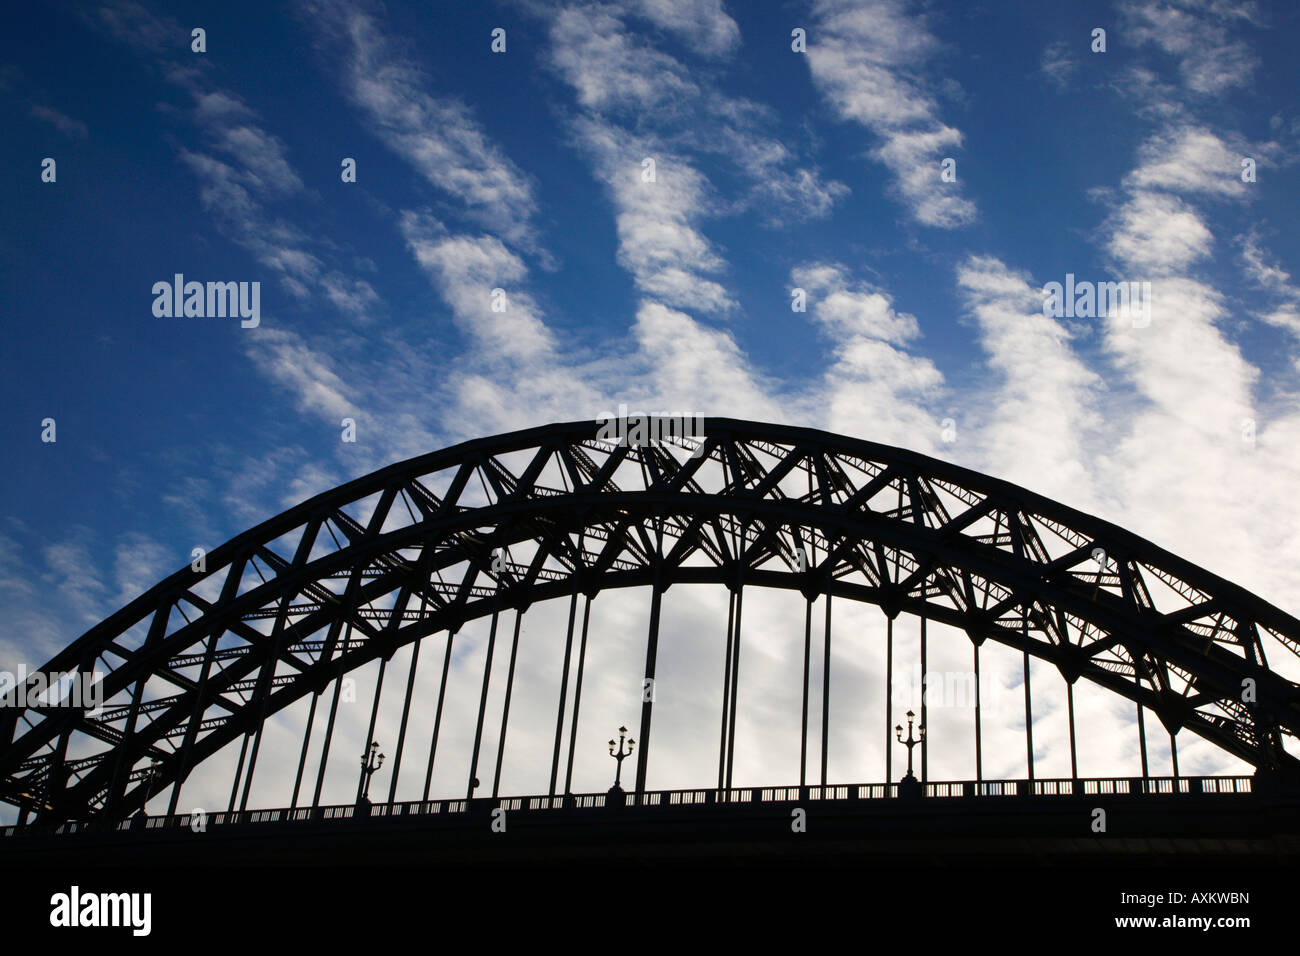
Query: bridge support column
(925,747)
(406,710)
(889,700)
(266,683)
(726,693)
(306,742)
(239,773)
(735,675)
(648,688)
(482,702)
(505,710)
(1142,741)
(350,603)
(1029,710)
(826,685)
(577,697)
(564,689)
(1074,760)
(735,604)
(807,653)
(437,714)
(979,736)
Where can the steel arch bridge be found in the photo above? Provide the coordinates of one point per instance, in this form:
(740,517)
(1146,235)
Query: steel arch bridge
(499,524)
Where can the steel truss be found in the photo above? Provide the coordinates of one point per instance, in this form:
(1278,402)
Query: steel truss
(497,524)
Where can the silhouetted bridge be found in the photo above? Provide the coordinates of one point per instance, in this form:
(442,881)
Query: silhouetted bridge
(196,666)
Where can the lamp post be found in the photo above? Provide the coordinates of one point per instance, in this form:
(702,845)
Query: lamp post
(619,754)
(371,760)
(909,786)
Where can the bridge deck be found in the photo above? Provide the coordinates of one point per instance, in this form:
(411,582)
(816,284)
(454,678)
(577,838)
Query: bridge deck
(1041,820)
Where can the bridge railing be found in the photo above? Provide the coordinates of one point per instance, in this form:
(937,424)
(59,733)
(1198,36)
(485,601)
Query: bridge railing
(995,789)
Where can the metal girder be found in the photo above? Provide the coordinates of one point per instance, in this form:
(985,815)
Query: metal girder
(891,527)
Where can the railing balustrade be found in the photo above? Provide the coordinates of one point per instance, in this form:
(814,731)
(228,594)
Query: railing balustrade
(867,792)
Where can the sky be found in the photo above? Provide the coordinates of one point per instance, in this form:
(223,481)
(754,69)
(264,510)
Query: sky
(835,214)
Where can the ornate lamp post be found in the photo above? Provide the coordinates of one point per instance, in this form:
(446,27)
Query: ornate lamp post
(620,755)
(909,786)
(369,764)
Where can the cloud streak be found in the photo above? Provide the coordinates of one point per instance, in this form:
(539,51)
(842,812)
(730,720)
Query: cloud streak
(867,59)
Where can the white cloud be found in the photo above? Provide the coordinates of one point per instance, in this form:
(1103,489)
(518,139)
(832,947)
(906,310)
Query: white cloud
(658,241)
(1199,449)
(702,24)
(1188,159)
(1057,64)
(844,312)
(1157,235)
(639,102)
(217,107)
(243,168)
(610,70)
(132,23)
(875,388)
(438,135)
(867,59)
(140,562)
(688,365)
(1033,421)
(1195,33)
(467,271)
(261,154)
(863,55)
(915,158)
(1266,273)
(36,628)
(69,127)
(284,357)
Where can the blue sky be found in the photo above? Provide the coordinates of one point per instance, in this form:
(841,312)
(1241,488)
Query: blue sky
(522,170)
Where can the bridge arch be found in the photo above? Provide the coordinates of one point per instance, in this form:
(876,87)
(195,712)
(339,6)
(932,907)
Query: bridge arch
(425,546)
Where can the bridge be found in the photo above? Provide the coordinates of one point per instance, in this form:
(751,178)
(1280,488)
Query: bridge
(267,638)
